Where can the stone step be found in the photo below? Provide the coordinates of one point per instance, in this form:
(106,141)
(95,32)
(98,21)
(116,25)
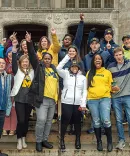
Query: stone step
(86,150)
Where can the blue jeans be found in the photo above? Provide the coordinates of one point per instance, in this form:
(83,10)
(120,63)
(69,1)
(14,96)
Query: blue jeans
(100,111)
(118,104)
(2,117)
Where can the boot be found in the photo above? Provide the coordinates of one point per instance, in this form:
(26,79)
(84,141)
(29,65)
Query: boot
(19,144)
(24,143)
(109,139)
(39,146)
(98,137)
(77,142)
(62,143)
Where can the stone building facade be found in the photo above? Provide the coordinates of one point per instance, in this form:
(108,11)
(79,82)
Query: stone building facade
(61,14)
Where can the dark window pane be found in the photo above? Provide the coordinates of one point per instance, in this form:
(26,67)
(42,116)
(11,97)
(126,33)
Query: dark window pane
(6,3)
(83,3)
(19,3)
(45,3)
(108,3)
(70,3)
(96,3)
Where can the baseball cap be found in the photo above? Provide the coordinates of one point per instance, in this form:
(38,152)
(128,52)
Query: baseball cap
(108,31)
(94,39)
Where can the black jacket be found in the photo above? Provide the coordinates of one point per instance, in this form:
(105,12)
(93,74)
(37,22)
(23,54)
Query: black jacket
(36,91)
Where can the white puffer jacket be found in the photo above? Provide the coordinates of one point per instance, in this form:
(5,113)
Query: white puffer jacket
(75,86)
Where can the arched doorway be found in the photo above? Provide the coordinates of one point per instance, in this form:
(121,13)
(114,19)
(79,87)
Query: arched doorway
(87,28)
(36,31)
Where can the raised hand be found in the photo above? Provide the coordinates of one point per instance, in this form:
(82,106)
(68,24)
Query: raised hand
(28,37)
(13,36)
(53,31)
(81,16)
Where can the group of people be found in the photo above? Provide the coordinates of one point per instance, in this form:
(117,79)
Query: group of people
(37,78)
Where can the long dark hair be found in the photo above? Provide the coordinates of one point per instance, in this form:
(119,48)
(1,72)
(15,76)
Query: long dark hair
(39,44)
(92,71)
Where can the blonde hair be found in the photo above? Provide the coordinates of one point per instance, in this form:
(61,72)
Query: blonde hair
(25,56)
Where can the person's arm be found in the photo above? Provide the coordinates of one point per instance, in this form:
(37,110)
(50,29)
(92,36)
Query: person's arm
(79,34)
(59,68)
(84,94)
(55,43)
(31,52)
(9,102)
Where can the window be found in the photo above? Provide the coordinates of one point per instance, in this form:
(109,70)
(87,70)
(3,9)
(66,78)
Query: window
(19,3)
(6,3)
(108,3)
(32,3)
(70,3)
(83,3)
(45,3)
(96,3)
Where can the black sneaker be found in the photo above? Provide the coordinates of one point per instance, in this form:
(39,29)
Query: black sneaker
(47,144)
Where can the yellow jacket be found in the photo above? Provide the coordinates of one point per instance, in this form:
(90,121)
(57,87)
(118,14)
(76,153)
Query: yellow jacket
(53,50)
(126,52)
(101,85)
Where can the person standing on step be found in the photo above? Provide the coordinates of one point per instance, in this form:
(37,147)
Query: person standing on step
(99,99)
(43,94)
(73,97)
(23,76)
(5,100)
(121,98)
(10,119)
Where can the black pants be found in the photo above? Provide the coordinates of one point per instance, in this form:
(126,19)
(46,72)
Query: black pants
(23,111)
(69,111)
(2,117)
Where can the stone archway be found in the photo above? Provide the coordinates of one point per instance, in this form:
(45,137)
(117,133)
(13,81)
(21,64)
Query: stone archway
(36,31)
(99,34)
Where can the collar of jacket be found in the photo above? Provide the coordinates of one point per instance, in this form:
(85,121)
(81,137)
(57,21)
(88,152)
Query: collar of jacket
(99,51)
(125,48)
(111,42)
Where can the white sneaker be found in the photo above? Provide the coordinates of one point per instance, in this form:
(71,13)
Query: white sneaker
(120,145)
(19,144)
(24,143)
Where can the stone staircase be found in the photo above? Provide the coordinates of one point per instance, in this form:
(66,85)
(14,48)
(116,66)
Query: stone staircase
(88,141)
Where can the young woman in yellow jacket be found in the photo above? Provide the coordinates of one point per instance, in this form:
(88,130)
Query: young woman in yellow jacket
(46,46)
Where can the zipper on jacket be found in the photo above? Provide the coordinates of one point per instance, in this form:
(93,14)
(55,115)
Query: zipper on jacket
(65,93)
(74,90)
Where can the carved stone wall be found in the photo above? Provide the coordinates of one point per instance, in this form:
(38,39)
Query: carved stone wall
(124,18)
(58,20)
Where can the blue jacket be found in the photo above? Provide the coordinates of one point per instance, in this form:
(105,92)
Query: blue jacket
(5,100)
(1,51)
(77,42)
(88,58)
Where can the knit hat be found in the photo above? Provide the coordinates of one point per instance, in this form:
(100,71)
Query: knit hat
(9,50)
(125,36)
(94,39)
(108,31)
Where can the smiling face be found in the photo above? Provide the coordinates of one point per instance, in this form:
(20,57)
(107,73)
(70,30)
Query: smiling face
(98,61)
(25,63)
(72,52)
(10,56)
(74,69)
(108,37)
(24,47)
(44,43)
(126,42)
